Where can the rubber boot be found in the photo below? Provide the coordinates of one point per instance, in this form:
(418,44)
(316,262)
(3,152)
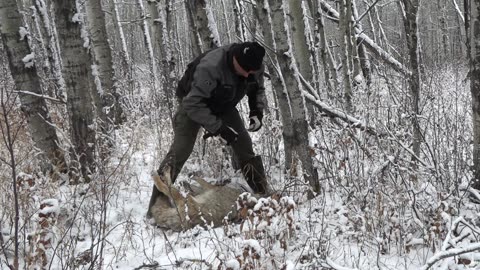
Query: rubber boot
(254,173)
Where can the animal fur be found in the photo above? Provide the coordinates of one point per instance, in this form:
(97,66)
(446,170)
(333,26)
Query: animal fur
(209,206)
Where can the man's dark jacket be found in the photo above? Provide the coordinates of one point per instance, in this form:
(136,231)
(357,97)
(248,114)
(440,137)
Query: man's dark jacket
(216,88)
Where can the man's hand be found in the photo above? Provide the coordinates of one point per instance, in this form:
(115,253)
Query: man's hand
(255,122)
(227,133)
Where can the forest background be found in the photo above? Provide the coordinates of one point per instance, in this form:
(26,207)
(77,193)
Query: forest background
(372,133)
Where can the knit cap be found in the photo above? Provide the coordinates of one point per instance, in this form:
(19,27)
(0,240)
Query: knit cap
(249,55)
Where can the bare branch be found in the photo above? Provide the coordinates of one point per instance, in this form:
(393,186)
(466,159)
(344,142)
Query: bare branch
(42,96)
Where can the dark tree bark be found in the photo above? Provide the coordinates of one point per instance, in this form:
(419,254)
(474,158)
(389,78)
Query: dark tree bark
(27,82)
(79,85)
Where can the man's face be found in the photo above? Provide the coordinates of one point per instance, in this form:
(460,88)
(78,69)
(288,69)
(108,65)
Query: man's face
(239,70)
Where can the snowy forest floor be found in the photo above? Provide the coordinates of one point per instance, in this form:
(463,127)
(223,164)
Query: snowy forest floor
(327,233)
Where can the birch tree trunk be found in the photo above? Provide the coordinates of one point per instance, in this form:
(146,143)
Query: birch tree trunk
(79,85)
(474,53)
(148,43)
(161,11)
(225,17)
(240,27)
(264,18)
(362,52)
(205,33)
(329,66)
(411,11)
(117,26)
(24,73)
(103,59)
(50,45)
(290,73)
(300,39)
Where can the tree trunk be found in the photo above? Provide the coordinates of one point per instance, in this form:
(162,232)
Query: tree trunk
(369,43)
(24,73)
(148,44)
(411,11)
(362,52)
(79,85)
(264,18)
(162,17)
(346,53)
(240,29)
(301,46)
(287,67)
(117,26)
(53,55)
(205,32)
(103,58)
(474,49)
(329,66)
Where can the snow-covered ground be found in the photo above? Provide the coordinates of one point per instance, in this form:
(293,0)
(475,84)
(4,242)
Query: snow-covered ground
(108,221)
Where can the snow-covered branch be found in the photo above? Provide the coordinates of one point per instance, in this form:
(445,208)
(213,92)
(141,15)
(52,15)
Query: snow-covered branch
(332,112)
(450,253)
(371,45)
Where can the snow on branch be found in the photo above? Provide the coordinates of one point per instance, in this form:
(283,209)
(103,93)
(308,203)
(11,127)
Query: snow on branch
(332,112)
(450,253)
(371,45)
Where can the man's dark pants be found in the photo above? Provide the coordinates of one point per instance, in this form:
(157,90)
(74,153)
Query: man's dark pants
(185,134)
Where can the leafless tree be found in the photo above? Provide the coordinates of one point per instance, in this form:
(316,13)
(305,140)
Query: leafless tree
(32,97)
(79,84)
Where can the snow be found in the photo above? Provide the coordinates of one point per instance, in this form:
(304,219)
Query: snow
(28,60)
(212,25)
(51,207)
(233,264)
(23,32)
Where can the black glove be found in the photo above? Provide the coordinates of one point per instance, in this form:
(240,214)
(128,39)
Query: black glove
(227,133)
(255,121)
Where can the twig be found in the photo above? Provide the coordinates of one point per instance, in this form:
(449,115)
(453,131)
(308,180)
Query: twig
(42,96)
(366,11)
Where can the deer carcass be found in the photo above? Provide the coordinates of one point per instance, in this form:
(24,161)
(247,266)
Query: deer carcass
(209,206)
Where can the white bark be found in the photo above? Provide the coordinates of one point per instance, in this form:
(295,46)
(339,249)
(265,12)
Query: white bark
(289,71)
(204,27)
(119,32)
(240,20)
(51,47)
(148,43)
(103,59)
(299,39)
(264,17)
(362,52)
(161,12)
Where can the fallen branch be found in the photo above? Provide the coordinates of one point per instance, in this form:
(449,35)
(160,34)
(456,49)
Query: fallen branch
(332,112)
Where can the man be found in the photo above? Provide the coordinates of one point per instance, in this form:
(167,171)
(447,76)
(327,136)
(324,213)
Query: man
(213,84)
